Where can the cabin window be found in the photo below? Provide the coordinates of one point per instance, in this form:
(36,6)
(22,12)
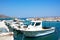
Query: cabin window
(32,23)
(37,24)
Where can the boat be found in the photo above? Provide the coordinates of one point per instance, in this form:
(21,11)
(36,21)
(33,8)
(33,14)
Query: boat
(35,29)
(5,34)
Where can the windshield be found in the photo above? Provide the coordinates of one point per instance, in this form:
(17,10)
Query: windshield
(37,24)
(32,23)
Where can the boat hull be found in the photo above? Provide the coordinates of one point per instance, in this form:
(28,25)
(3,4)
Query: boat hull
(37,33)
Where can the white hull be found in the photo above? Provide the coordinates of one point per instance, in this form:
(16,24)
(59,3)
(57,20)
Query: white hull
(37,33)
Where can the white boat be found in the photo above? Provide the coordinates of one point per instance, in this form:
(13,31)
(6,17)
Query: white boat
(36,29)
(4,32)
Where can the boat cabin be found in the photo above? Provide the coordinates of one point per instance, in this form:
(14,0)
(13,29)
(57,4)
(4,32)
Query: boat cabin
(35,24)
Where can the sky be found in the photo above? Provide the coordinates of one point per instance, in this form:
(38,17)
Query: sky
(30,8)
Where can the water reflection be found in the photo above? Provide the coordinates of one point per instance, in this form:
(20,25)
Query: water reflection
(18,35)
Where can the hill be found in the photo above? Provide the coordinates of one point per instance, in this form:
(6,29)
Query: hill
(4,16)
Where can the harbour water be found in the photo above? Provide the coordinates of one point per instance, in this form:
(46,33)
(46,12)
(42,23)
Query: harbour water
(54,36)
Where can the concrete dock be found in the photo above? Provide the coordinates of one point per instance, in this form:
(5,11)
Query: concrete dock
(5,35)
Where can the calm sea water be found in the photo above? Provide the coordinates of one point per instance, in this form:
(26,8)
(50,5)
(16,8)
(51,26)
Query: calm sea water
(54,36)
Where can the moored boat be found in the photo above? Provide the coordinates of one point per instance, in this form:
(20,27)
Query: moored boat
(35,29)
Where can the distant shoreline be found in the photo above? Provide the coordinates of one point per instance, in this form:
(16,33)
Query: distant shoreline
(4,16)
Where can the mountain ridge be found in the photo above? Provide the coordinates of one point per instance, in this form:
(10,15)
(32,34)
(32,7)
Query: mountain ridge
(4,16)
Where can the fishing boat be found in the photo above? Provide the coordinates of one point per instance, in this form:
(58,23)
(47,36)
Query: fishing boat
(35,29)
(5,34)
